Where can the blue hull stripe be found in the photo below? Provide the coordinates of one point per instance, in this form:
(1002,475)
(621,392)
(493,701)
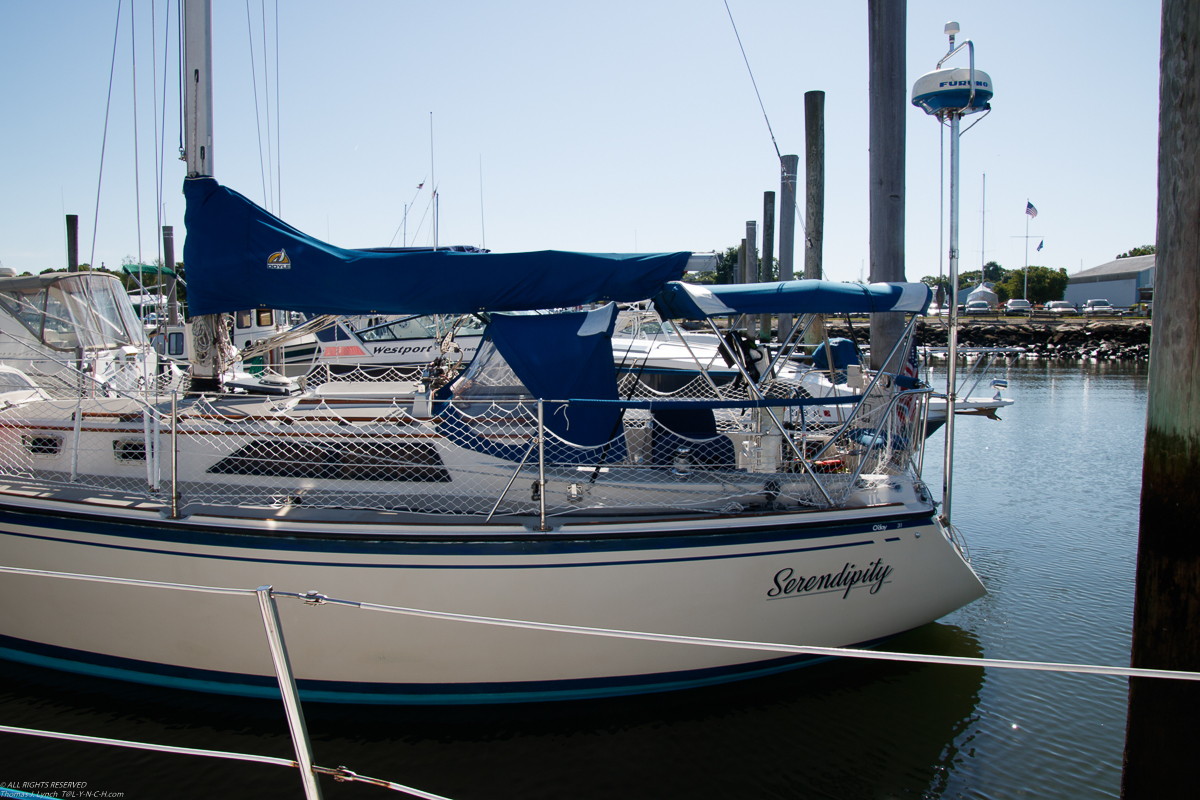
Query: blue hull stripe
(394,543)
(455,566)
(111,667)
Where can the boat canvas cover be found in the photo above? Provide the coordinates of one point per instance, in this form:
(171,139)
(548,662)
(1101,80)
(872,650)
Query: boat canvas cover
(240,256)
(555,357)
(689,301)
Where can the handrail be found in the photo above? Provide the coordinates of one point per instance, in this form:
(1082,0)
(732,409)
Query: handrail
(971,53)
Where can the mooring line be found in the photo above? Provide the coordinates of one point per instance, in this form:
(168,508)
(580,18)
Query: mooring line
(316,598)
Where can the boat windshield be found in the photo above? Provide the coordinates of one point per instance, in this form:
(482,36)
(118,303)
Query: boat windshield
(66,312)
(643,325)
(427,327)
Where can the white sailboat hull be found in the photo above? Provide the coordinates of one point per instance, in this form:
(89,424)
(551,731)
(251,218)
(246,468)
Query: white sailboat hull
(817,578)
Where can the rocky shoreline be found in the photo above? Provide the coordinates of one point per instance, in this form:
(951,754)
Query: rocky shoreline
(1071,340)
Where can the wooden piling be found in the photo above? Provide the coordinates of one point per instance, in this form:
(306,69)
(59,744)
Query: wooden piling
(886,22)
(168,238)
(72,243)
(814,198)
(751,275)
(787,227)
(764,267)
(1161,735)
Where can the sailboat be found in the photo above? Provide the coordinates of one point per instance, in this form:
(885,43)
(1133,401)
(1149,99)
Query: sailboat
(527,488)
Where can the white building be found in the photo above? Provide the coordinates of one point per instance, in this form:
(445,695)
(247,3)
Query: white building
(1123,282)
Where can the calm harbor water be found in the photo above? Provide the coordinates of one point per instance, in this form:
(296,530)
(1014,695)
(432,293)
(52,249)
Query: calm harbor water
(1047,500)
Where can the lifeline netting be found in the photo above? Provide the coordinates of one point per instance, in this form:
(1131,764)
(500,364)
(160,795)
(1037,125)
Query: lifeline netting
(700,448)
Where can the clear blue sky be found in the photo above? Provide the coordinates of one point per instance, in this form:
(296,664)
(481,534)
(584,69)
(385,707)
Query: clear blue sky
(602,127)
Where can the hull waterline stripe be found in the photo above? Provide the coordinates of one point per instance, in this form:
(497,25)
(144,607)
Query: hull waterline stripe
(523,543)
(266,687)
(370,565)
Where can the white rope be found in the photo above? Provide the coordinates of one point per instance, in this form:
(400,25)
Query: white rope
(104,138)
(837,652)
(316,598)
(340,774)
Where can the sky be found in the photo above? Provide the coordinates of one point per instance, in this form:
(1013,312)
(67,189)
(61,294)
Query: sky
(597,127)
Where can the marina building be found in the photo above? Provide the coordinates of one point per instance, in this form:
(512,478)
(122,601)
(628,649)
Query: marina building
(1123,282)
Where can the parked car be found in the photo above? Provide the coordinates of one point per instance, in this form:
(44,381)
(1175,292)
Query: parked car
(1061,308)
(978,307)
(1098,307)
(1018,306)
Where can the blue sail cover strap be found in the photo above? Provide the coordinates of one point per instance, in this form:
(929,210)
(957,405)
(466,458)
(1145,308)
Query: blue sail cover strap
(689,301)
(239,256)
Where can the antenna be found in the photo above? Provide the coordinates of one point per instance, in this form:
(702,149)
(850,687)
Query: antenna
(950,95)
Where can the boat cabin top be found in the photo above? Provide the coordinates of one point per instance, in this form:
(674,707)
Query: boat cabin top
(69,310)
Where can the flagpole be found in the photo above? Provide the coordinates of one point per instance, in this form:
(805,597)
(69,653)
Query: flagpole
(1027,218)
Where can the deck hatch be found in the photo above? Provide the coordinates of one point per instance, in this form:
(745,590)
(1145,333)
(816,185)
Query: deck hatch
(352,460)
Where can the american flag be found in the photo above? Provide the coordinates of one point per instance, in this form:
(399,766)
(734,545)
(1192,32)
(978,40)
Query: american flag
(907,406)
(1030,210)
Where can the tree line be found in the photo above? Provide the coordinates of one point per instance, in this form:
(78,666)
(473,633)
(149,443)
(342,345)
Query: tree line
(1045,284)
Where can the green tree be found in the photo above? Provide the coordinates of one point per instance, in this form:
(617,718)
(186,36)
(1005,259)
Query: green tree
(969,279)
(934,281)
(727,266)
(1045,284)
(994,273)
(1144,250)
(727,269)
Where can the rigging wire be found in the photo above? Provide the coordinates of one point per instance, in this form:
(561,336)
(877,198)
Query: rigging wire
(278,125)
(104,139)
(783,172)
(161,141)
(257,122)
(158,180)
(267,99)
(404,219)
(182,79)
(429,205)
(752,81)
(137,180)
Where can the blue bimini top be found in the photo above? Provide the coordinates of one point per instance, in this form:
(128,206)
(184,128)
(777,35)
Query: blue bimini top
(689,301)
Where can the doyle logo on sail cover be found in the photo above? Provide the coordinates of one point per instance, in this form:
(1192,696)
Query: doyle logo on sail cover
(788,584)
(279,260)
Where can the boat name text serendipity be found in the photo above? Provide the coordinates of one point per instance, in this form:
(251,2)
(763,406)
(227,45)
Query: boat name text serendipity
(787,583)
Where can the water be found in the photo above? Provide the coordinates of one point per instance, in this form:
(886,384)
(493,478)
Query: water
(1048,501)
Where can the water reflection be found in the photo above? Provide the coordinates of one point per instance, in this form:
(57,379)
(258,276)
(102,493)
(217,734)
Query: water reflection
(849,729)
(1048,501)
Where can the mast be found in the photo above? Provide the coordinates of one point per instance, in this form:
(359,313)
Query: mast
(206,333)
(198,95)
